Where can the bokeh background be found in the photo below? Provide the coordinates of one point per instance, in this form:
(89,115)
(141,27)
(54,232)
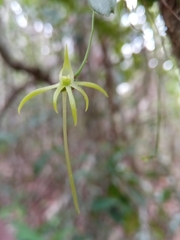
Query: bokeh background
(125,150)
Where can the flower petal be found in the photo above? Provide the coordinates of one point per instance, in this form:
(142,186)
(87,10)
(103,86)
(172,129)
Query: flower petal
(55,96)
(34,93)
(67,69)
(92,85)
(72,104)
(74,85)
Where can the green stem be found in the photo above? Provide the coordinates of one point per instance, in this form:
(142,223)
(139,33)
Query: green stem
(68,163)
(88,48)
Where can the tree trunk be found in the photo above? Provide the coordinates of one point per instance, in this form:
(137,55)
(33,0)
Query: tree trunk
(170,10)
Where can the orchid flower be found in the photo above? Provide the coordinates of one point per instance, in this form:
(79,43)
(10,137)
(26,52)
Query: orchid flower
(66,85)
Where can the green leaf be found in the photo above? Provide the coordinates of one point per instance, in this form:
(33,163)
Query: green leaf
(103,7)
(104,204)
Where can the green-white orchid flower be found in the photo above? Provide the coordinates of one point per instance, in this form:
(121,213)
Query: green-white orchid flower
(66,85)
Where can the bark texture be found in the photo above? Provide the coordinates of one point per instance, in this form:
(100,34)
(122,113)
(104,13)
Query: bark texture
(170,10)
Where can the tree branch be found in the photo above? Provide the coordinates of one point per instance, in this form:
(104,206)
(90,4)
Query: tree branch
(13,95)
(36,72)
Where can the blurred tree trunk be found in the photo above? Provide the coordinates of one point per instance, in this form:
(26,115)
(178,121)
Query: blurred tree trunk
(170,11)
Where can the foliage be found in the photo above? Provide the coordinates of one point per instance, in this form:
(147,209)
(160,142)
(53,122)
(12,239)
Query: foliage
(104,7)
(124,150)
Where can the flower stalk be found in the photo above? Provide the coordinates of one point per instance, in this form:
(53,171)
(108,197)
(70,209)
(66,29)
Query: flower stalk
(68,162)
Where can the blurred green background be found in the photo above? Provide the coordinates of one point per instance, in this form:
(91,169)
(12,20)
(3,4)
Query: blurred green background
(124,150)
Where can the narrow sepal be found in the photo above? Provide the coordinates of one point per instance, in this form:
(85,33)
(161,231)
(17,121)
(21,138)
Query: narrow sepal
(72,104)
(66,69)
(33,94)
(55,96)
(92,85)
(83,93)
